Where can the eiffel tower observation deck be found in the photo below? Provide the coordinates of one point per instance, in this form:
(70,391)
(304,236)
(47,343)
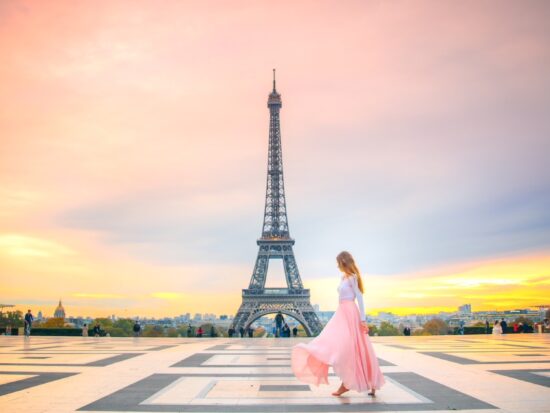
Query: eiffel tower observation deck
(276,243)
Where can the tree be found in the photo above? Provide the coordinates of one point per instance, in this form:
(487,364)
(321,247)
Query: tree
(373,330)
(172,332)
(153,331)
(126,325)
(11,318)
(435,326)
(104,323)
(386,329)
(54,322)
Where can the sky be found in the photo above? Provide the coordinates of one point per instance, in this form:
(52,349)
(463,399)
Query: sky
(133,152)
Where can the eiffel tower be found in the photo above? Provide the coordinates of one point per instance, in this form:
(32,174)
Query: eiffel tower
(275,243)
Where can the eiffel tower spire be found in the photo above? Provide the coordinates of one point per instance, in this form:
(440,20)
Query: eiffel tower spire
(275,217)
(275,243)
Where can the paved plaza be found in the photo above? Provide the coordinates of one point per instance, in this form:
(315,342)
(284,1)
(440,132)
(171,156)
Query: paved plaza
(437,373)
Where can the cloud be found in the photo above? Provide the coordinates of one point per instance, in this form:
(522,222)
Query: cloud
(137,137)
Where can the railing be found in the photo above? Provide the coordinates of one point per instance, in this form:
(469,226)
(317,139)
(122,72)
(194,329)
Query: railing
(277,291)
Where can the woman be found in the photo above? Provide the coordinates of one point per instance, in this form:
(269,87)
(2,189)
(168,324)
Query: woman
(497,328)
(344,343)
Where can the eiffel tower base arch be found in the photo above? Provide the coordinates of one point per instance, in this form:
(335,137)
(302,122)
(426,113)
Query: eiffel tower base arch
(293,303)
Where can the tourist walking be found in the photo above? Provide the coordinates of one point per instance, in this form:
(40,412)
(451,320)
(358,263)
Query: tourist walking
(85,330)
(497,328)
(487,327)
(137,329)
(279,320)
(295,331)
(343,343)
(97,330)
(503,325)
(29,318)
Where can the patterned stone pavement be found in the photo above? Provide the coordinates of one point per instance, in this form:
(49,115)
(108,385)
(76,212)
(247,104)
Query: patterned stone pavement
(424,374)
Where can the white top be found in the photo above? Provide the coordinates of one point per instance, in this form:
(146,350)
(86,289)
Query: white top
(349,290)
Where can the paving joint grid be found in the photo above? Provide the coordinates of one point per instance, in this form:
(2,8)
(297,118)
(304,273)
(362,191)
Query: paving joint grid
(37,379)
(131,398)
(464,360)
(198,360)
(528,375)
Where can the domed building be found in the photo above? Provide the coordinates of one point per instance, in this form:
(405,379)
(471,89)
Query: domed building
(59,311)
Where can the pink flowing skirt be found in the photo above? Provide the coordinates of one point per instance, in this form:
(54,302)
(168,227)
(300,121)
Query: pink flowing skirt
(343,345)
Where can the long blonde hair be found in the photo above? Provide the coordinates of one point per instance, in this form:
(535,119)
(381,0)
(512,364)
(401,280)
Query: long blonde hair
(347,264)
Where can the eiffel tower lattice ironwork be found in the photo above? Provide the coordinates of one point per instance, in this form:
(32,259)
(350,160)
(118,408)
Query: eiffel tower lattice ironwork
(276,243)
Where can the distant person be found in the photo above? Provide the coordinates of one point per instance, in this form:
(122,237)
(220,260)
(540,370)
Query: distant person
(29,318)
(279,320)
(241,331)
(344,342)
(407,331)
(231,331)
(515,327)
(189,331)
(286,330)
(503,325)
(8,330)
(212,332)
(85,330)
(497,328)
(200,332)
(487,327)
(137,329)
(96,330)
(295,331)
(250,332)
(461,327)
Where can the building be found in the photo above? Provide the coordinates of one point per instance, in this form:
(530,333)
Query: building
(59,311)
(465,309)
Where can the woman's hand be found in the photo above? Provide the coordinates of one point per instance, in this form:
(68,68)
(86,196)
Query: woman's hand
(365,327)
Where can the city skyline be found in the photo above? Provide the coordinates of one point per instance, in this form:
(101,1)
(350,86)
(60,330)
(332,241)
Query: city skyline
(133,153)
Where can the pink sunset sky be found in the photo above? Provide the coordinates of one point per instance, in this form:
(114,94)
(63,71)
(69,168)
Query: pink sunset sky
(133,151)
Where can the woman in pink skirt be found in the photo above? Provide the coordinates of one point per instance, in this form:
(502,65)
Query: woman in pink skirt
(344,342)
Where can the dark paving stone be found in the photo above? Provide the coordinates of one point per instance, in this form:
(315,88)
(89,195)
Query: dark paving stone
(98,363)
(37,379)
(112,360)
(159,348)
(464,360)
(527,375)
(284,387)
(530,355)
(36,357)
(198,360)
(219,347)
(131,397)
